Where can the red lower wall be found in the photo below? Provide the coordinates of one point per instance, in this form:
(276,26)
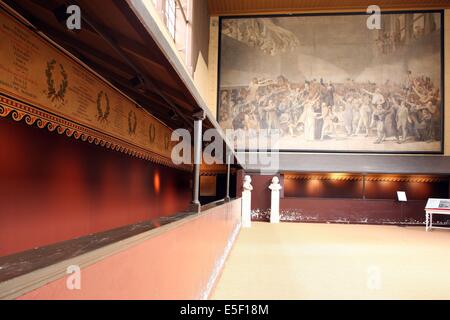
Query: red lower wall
(180,263)
(55,188)
(261,191)
(353,210)
(315,188)
(341,201)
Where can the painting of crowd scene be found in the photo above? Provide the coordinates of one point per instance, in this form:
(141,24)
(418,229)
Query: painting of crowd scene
(329,83)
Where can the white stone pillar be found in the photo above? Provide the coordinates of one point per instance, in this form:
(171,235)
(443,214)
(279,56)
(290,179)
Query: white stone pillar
(275,200)
(198,147)
(247,203)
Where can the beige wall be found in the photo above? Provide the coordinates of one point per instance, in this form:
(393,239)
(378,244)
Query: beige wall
(200,47)
(205,75)
(213,64)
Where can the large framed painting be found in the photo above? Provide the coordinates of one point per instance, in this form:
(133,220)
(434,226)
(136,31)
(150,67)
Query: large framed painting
(329,83)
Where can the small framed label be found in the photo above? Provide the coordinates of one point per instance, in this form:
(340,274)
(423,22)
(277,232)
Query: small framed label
(401,196)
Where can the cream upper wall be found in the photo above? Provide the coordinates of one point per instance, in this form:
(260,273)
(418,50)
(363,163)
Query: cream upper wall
(205,74)
(213,64)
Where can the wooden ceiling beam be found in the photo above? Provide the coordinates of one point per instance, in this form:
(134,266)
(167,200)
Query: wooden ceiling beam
(146,52)
(67,41)
(123,42)
(149,101)
(101,68)
(163,96)
(143,76)
(158,106)
(143,33)
(111,62)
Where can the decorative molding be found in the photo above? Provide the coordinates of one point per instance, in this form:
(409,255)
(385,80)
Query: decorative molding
(334,177)
(380,178)
(46,120)
(419,179)
(216,172)
(215,169)
(58,92)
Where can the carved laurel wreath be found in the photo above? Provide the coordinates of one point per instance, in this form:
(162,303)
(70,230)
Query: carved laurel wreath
(52,92)
(152,132)
(132,122)
(102,115)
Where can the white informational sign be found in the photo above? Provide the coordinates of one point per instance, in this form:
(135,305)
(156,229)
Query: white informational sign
(443,204)
(401,196)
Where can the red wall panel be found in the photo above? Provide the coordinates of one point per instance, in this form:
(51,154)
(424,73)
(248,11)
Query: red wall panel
(353,210)
(179,263)
(261,191)
(336,200)
(414,190)
(54,188)
(314,188)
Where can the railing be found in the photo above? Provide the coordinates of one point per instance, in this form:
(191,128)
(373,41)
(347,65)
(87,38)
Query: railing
(179,260)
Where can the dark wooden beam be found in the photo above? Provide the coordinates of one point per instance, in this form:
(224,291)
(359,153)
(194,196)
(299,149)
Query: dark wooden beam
(151,102)
(147,82)
(148,100)
(70,43)
(149,51)
(140,29)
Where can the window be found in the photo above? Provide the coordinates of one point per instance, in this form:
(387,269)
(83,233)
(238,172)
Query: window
(170,15)
(176,15)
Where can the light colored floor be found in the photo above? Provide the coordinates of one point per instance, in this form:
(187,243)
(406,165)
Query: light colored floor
(332,261)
